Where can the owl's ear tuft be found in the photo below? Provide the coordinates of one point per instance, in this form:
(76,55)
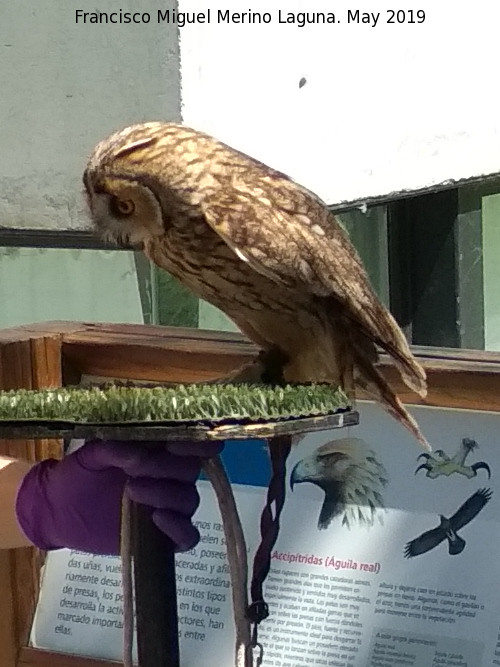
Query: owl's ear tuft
(86,180)
(135,145)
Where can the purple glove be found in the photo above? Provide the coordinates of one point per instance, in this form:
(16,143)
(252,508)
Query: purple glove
(76,502)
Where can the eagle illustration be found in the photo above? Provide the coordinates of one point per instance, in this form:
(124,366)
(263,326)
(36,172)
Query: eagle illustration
(448,528)
(348,471)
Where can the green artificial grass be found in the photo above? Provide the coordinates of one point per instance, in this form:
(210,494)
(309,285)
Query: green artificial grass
(193,402)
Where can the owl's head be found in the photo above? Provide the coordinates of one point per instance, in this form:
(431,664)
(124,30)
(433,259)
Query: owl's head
(122,185)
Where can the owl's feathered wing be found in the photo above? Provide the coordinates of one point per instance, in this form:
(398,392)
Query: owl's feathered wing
(287,234)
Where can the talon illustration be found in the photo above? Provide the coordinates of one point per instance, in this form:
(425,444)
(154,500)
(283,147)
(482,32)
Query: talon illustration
(351,476)
(442,464)
(448,528)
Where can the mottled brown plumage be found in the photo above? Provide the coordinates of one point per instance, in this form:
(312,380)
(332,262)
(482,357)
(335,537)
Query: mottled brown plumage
(255,244)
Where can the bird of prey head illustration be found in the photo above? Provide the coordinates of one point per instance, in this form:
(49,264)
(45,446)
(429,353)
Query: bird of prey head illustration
(442,464)
(448,528)
(352,478)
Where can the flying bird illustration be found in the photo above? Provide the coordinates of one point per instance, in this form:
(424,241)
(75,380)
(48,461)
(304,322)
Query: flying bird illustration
(259,247)
(442,464)
(352,478)
(448,528)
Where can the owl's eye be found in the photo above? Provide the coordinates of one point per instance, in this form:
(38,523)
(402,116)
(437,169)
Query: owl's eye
(122,207)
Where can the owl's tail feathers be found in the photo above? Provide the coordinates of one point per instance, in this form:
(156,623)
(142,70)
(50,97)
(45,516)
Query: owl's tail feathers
(377,387)
(412,373)
(385,333)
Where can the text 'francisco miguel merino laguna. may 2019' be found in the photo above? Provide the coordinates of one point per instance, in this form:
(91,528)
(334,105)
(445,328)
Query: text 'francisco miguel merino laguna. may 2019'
(228,17)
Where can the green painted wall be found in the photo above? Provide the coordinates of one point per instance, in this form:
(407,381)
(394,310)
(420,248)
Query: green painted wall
(491,270)
(37,285)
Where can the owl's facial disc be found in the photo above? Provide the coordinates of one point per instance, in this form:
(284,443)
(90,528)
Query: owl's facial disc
(124,212)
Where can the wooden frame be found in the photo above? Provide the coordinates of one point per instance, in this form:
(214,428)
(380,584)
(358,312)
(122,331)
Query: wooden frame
(56,353)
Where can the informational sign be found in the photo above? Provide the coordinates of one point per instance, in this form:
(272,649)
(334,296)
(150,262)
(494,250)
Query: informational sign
(386,556)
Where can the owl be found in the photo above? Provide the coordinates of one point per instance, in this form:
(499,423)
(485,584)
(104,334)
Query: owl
(258,246)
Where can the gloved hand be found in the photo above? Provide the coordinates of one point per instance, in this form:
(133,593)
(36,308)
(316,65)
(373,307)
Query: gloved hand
(76,502)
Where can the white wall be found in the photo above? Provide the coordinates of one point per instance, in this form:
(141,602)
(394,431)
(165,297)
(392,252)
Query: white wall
(384,109)
(63,87)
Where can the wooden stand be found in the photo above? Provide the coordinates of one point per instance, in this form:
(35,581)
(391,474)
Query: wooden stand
(57,353)
(53,354)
